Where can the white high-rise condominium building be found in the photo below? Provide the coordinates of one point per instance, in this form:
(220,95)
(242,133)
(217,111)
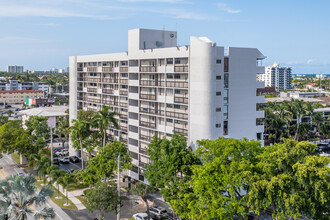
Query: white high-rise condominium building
(159,88)
(276,76)
(15,69)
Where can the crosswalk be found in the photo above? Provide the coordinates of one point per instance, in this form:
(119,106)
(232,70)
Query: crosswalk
(3,174)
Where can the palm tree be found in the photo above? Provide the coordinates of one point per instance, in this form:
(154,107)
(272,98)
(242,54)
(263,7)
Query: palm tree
(41,167)
(80,130)
(63,129)
(142,190)
(65,181)
(318,119)
(300,111)
(49,170)
(19,193)
(103,119)
(55,175)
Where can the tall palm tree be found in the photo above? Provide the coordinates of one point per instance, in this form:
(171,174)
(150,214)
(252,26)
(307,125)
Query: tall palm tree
(42,165)
(65,181)
(19,193)
(300,111)
(63,130)
(286,116)
(318,119)
(55,175)
(103,119)
(49,170)
(80,130)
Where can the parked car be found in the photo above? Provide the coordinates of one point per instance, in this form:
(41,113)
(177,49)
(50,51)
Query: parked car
(56,161)
(74,159)
(141,216)
(158,212)
(64,160)
(64,152)
(323,146)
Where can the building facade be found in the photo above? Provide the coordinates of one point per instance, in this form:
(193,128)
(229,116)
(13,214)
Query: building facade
(15,69)
(159,88)
(276,76)
(19,96)
(14,84)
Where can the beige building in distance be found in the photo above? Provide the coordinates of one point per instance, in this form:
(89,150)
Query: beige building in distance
(19,96)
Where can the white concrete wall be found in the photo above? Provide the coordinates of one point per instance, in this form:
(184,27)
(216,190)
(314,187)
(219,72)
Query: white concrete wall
(72,97)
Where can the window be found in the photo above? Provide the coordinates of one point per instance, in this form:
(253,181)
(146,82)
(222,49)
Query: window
(218,125)
(169,61)
(169,76)
(176,76)
(226,64)
(259,136)
(218,93)
(218,109)
(218,77)
(226,80)
(225,128)
(177,60)
(218,61)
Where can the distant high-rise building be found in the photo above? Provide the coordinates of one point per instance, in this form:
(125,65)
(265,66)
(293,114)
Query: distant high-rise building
(276,76)
(66,69)
(15,69)
(159,88)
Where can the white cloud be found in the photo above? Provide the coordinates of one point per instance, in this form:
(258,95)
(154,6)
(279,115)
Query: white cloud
(226,8)
(309,61)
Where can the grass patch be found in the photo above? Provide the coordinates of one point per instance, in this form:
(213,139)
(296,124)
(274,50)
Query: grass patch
(75,186)
(82,200)
(60,202)
(16,158)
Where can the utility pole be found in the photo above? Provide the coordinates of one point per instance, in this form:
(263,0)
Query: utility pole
(51,146)
(118,187)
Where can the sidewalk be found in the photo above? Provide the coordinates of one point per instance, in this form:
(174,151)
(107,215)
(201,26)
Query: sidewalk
(72,196)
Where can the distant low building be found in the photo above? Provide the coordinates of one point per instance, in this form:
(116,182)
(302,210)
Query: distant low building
(14,84)
(51,113)
(19,96)
(40,102)
(299,94)
(279,100)
(262,91)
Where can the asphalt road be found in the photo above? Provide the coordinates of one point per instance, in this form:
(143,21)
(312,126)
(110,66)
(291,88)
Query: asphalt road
(9,167)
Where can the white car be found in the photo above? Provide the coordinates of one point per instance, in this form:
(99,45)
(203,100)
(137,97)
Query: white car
(157,211)
(141,216)
(64,160)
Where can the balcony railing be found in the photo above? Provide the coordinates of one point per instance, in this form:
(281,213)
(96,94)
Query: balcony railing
(148,124)
(143,151)
(81,79)
(107,69)
(148,96)
(110,80)
(177,115)
(177,84)
(123,92)
(181,130)
(148,69)
(123,69)
(122,116)
(80,88)
(145,137)
(183,100)
(124,81)
(152,111)
(182,69)
(79,69)
(107,91)
(110,102)
(122,104)
(93,100)
(91,89)
(80,98)
(91,69)
(151,83)
(93,79)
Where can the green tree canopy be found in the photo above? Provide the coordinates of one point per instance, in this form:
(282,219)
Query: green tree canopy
(103,197)
(37,126)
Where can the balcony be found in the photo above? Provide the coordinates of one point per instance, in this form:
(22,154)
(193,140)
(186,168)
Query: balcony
(109,102)
(148,124)
(110,80)
(79,88)
(123,104)
(91,69)
(152,111)
(80,69)
(181,130)
(107,91)
(182,69)
(122,116)
(123,81)
(145,138)
(177,84)
(182,100)
(178,115)
(81,79)
(148,96)
(107,69)
(123,69)
(143,151)
(93,100)
(148,69)
(151,83)
(93,79)
(123,92)
(80,98)
(92,90)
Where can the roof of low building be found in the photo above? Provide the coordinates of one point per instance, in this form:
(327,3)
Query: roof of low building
(53,111)
(282,99)
(322,109)
(18,91)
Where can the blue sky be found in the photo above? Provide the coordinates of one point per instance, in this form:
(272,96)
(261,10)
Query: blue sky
(41,34)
